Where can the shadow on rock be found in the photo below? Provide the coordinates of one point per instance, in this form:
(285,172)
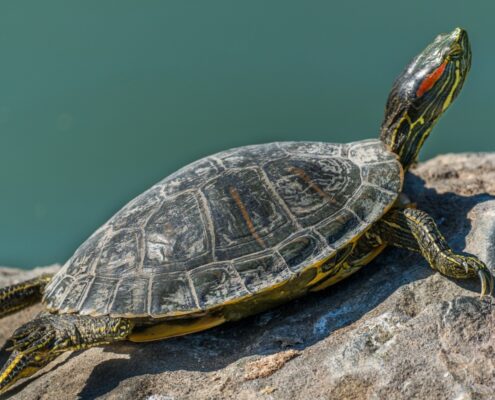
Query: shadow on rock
(301,323)
(298,324)
(18,388)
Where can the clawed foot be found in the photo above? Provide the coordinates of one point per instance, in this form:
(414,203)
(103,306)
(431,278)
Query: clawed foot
(485,275)
(38,335)
(40,341)
(33,346)
(461,267)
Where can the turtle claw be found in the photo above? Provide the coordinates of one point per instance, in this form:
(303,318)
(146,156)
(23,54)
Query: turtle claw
(40,341)
(483,283)
(31,337)
(487,281)
(460,266)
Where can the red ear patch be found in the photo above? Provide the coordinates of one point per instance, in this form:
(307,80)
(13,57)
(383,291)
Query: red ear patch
(430,80)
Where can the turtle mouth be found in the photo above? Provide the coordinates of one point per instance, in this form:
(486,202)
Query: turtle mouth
(458,62)
(466,56)
(459,52)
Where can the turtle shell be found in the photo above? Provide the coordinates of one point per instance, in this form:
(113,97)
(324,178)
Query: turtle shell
(227,227)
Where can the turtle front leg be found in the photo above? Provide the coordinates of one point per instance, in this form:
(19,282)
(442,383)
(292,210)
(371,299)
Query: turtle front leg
(16,297)
(415,230)
(40,341)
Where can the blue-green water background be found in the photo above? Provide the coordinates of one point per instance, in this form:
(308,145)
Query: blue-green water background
(101,99)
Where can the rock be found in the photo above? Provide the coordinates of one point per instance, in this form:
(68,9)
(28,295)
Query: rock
(394,330)
(268,365)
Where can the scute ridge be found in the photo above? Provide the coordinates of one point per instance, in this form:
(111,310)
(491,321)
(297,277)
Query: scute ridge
(197,232)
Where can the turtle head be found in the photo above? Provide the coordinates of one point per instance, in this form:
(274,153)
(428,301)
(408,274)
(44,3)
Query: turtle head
(424,90)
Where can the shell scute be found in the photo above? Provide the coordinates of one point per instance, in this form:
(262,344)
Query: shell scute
(100,294)
(245,216)
(369,202)
(171,293)
(387,177)
(369,151)
(338,229)
(121,254)
(58,289)
(137,211)
(250,156)
(83,259)
(229,226)
(131,294)
(308,149)
(76,290)
(312,190)
(262,272)
(217,281)
(175,236)
(190,176)
(299,248)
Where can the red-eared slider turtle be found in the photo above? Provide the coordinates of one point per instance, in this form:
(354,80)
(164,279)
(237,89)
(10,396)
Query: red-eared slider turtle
(244,230)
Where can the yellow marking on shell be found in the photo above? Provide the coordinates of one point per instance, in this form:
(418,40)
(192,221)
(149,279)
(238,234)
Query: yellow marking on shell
(190,322)
(276,292)
(320,274)
(316,265)
(349,269)
(367,258)
(173,328)
(181,322)
(447,102)
(237,198)
(335,279)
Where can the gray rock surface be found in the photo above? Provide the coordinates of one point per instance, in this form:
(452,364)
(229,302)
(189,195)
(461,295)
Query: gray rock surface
(394,330)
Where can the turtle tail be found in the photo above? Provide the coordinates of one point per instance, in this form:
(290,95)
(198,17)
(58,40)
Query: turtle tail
(16,297)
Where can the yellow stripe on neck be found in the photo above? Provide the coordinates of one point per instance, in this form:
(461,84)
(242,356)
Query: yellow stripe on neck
(448,101)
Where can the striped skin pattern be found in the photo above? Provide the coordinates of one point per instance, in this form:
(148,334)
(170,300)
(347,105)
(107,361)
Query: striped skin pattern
(228,227)
(16,297)
(424,90)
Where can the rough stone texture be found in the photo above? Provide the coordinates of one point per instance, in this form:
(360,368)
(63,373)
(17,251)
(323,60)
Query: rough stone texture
(394,330)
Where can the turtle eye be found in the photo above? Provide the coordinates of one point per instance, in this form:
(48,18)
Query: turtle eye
(455,51)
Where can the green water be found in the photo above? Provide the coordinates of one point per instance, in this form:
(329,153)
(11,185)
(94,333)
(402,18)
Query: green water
(101,99)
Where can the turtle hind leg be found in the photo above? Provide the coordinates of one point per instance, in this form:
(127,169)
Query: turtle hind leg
(41,340)
(16,297)
(415,230)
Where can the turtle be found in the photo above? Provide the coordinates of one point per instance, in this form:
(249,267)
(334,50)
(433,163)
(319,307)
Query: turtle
(244,230)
